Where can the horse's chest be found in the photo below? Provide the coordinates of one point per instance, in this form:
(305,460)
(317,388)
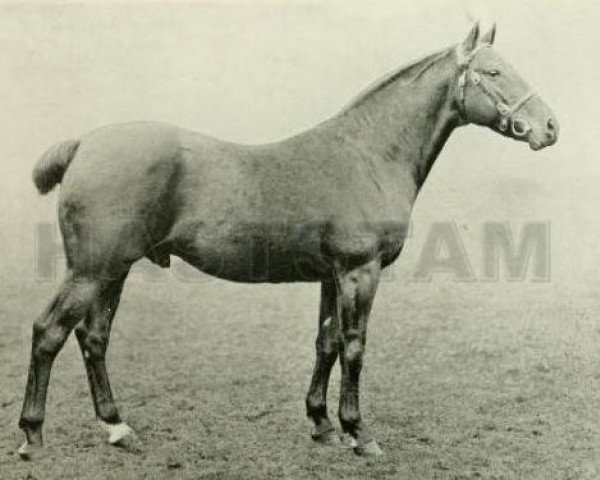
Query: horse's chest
(362,241)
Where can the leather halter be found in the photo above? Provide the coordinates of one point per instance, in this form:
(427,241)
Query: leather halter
(519,126)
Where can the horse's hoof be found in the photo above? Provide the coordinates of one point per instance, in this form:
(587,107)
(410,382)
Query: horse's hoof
(329,437)
(348,441)
(28,452)
(121,435)
(130,443)
(116,431)
(369,449)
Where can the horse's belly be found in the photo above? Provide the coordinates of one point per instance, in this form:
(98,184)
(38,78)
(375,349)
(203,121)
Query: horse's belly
(243,266)
(276,253)
(256,255)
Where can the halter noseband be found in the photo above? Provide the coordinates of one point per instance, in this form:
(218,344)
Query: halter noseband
(519,127)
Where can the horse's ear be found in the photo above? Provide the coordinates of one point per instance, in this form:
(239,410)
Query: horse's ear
(469,44)
(490,36)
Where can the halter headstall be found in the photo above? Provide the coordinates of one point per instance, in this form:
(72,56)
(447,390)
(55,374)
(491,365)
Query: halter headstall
(519,127)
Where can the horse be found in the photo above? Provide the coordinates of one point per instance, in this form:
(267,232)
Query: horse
(328,205)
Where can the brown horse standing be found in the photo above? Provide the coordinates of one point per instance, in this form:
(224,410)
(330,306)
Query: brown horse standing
(329,205)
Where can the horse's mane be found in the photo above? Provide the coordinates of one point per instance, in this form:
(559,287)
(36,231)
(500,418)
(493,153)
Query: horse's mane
(406,73)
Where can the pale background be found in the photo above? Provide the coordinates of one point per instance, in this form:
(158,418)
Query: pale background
(260,71)
(461,380)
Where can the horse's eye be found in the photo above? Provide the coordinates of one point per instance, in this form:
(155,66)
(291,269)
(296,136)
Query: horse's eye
(493,72)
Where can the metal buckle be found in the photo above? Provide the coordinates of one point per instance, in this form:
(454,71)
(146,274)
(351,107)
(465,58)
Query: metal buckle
(503,109)
(520,127)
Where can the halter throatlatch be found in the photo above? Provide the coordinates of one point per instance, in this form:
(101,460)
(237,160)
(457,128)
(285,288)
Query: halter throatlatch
(519,126)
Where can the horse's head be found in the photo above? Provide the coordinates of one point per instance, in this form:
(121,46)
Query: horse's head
(491,93)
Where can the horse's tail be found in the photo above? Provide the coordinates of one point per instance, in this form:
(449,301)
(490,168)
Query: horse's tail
(52,166)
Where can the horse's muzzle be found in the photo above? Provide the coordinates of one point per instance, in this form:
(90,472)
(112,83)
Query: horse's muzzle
(547,137)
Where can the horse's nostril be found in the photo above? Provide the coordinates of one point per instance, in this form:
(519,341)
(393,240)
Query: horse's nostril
(551,124)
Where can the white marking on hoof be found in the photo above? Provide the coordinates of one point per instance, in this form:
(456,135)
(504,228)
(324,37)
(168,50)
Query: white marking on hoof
(348,441)
(116,432)
(26,451)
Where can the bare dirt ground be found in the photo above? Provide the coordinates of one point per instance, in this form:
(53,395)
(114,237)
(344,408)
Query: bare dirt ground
(460,381)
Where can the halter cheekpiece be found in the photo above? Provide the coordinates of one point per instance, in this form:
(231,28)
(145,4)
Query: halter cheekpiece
(519,127)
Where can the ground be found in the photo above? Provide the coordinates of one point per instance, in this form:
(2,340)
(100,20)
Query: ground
(461,381)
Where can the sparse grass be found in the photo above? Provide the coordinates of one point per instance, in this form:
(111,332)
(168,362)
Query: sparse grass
(461,381)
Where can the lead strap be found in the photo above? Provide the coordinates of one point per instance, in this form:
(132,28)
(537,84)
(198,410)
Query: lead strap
(508,111)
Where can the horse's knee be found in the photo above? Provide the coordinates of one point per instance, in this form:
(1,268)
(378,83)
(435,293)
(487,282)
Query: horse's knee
(327,343)
(327,351)
(353,355)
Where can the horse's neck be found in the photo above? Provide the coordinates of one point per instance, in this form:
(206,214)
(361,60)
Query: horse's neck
(407,121)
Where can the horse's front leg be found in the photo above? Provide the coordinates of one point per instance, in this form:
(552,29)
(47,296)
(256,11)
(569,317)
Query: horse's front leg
(356,290)
(327,347)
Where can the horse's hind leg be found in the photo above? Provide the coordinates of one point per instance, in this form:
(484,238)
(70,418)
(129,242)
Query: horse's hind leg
(93,336)
(50,331)
(327,346)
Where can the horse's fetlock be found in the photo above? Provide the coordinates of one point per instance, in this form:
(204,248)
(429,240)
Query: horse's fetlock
(316,406)
(107,412)
(350,420)
(31,422)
